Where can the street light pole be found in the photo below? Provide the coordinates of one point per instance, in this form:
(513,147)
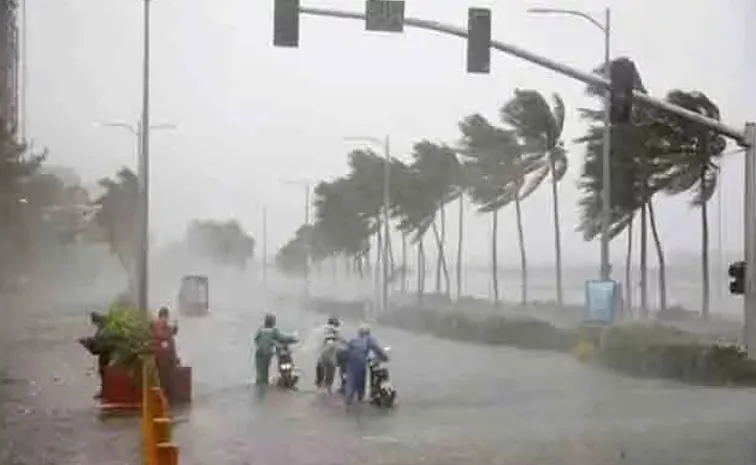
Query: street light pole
(309,244)
(135,274)
(143,172)
(606,172)
(265,247)
(606,193)
(386,204)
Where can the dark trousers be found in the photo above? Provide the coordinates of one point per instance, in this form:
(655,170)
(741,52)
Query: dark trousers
(325,374)
(355,387)
(103,360)
(262,367)
(166,369)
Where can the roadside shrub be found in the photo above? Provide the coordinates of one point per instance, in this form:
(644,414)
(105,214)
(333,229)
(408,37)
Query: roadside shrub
(664,352)
(449,323)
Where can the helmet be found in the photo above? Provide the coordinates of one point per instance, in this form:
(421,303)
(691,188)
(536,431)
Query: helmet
(270,320)
(97,319)
(333,321)
(364,329)
(163,312)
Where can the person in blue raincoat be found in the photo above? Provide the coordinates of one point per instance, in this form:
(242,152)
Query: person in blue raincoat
(358,351)
(267,339)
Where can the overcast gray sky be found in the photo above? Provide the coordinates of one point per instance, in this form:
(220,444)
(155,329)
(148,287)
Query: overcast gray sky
(252,116)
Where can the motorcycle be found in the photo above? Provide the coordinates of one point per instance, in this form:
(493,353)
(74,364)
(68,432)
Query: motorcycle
(382,391)
(288,374)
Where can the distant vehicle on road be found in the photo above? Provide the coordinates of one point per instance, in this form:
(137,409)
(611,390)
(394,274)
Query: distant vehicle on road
(194,295)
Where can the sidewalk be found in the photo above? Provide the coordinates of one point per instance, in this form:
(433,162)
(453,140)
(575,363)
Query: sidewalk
(47,414)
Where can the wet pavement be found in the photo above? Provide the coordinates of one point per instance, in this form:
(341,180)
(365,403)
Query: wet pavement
(47,414)
(458,403)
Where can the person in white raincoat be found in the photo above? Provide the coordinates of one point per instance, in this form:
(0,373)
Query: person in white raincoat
(332,345)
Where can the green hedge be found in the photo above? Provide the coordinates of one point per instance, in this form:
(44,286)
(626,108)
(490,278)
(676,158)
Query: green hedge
(665,352)
(642,350)
(526,333)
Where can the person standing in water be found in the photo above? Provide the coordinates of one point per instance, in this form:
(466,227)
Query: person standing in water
(166,357)
(333,343)
(358,350)
(267,339)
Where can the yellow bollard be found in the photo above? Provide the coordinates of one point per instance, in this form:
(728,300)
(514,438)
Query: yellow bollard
(584,350)
(156,420)
(162,428)
(167,453)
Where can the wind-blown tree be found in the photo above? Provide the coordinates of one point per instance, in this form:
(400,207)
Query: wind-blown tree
(340,228)
(632,165)
(496,174)
(540,126)
(118,214)
(366,171)
(17,167)
(695,167)
(647,158)
(420,192)
(438,170)
(222,242)
(292,257)
(499,171)
(410,207)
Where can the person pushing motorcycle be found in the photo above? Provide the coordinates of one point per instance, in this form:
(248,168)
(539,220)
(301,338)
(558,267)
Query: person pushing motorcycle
(359,350)
(267,340)
(333,344)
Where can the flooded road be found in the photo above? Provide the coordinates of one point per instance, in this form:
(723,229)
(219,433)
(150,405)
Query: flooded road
(457,402)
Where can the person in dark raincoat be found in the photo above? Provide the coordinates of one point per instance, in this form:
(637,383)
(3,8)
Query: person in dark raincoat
(267,339)
(97,346)
(358,350)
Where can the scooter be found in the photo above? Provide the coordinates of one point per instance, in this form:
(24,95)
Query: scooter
(288,374)
(382,391)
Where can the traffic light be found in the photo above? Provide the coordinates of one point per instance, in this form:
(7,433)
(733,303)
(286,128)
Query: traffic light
(622,81)
(384,15)
(286,23)
(479,40)
(737,273)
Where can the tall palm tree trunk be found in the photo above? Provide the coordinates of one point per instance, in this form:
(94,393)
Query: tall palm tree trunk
(557,236)
(523,257)
(705,278)
(404,263)
(495,255)
(660,258)
(392,263)
(444,262)
(460,242)
(439,254)
(629,269)
(420,269)
(440,261)
(441,266)
(644,263)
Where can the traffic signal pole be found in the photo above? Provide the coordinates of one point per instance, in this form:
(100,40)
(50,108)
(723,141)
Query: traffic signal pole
(565,70)
(745,138)
(749,239)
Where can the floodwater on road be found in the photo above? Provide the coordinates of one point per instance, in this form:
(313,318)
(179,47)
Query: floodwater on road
(457,402)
